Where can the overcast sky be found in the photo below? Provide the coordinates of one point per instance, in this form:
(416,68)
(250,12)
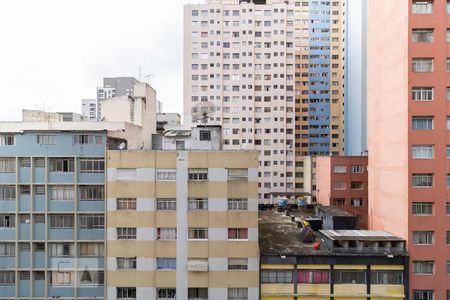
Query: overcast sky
(53,53)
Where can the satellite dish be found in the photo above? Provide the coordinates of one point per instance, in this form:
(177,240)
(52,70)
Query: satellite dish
(122,146)
(202,111)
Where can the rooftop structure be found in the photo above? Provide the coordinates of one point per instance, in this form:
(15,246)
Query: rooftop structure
(198,138)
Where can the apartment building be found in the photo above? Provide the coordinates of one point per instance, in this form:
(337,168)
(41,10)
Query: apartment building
(89,109)
(319,77)
(240,57)
(52,190)
(409,121)
(342,181)
(306,263)
(182,224)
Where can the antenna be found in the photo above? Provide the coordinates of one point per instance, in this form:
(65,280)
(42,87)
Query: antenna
(202,111)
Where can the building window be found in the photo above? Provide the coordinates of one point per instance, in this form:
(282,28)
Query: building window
(46,139)
(198,293)
(7,140)
(357,185)
(237,233)
(61,249)
(356,202)
(92,221)
(237,263)
(61,221)
(422,7)
(423,237)
(238,204)
(126,233)
(126,293)
(61,278)
(167,233)
(126,203)
(237,174)
(276,276)
(92,249)
(422,123)
(448,64)
(422,36)
(422,151)
(448,238)
(422,208)
(386,277)
(62,165)
(62,193)
(205,135)
(198,204)
(7,165)
(126,263)
(166,263)
(237,293)
(7,249)
(84,139)
(313,276)
(92,193)
(198,174)
(166,293)
(423,267)
(166,174)
(126,174)
(423,94)
(7,278)
(339,186)
(91,277)
(7,192)
(198,233)
(423,295)
(92,165)
(166,204)
(340,169)
(422,180)
(422,65)
(358,169)
(349,277)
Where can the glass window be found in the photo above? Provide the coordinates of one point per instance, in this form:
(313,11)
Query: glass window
(7,139)
(422,36)
(237,294)
(61,221)
(349,277)
(61,277)
(423,237)
(198,293)
(94,221)
(126,293)
(7,165)
(166,174)
(85,139)
(166,293)
(7,278)
(126,203)
(92,165)
(126,233)
(166,204)
(422,180)
(62,165)
(167,233)
(7,249)
(421,65)
(422,123)
(386,277)
(423,267)
(126,262)
(198,174)
(313,276)
(276,276)
(237,204)
(237,263)
(422,7)
(166,263)
(422,208)
(198,204)
(422,151)
(357,169)
(339,169)
(237,233)
(62,193)
(91,277)
(61,249)
(92,249)
(423,93)
(46,139)
(7,192)
(198,233)
(92,193)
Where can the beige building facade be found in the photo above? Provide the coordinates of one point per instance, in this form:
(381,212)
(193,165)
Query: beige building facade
(182,224)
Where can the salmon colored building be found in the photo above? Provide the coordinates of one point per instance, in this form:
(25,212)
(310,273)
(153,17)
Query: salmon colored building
(408,134)
(342,182)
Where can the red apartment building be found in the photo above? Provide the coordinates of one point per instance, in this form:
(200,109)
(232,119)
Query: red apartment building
(342,182)
(409,134)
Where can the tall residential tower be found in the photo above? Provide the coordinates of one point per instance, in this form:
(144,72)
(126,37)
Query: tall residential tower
(409,123)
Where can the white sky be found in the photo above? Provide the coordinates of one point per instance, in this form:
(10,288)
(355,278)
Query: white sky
(53,53)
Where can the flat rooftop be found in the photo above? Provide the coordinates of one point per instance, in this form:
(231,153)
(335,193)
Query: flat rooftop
(360,235)
(335,212)
(278,235)
(19,127)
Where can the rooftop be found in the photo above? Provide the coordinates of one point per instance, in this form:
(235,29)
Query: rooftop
(20,127)
(360,235)
(334,211)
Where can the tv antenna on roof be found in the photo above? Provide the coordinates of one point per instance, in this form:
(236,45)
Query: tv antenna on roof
(202,111)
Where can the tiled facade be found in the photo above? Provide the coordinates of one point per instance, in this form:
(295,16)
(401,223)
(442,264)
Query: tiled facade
(52,235)
(182,223)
